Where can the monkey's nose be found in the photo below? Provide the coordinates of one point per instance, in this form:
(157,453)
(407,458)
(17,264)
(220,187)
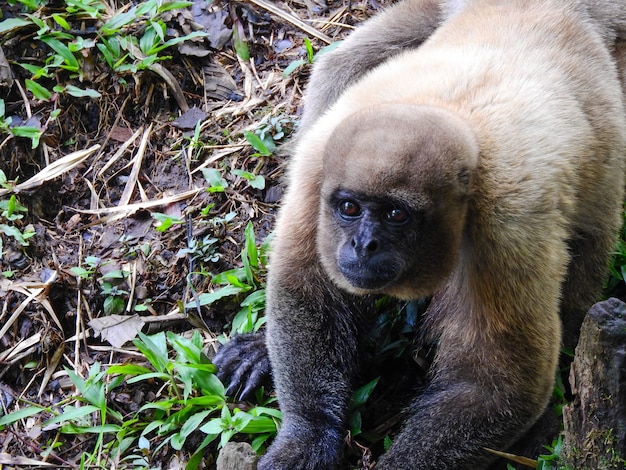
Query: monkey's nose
(365,247)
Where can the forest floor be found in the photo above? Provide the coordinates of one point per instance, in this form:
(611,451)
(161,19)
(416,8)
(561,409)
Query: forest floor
(114,218)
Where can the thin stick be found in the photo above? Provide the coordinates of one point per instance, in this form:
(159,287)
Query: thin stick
(293,20)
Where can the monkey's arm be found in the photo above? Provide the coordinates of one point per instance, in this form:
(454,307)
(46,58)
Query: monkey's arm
(405,25)
(312,331)
(312,345)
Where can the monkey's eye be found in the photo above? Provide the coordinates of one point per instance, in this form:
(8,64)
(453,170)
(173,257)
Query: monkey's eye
(349,209)
(397,216)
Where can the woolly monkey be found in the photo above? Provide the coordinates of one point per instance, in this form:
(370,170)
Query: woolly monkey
(485,168)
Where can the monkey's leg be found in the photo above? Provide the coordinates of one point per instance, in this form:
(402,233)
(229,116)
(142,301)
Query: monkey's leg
(587,271)
(404,25)
(462,413)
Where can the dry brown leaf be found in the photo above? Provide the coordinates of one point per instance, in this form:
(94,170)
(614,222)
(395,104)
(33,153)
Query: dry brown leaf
(8,459)
(117,329)
(53,170)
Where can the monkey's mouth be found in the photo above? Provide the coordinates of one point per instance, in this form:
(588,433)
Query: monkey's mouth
(366,277)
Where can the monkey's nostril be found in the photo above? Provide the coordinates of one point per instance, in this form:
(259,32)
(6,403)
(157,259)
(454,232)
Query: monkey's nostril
(372,246)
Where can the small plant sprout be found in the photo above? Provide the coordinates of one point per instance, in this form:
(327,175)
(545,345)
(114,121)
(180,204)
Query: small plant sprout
(310,56)
(238,281)
(269,132)
(11,213)
(255,181)
(165,221)
(217,184)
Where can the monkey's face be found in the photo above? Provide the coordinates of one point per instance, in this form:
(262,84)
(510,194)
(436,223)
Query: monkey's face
(394,198)
(370,235)
(375,244)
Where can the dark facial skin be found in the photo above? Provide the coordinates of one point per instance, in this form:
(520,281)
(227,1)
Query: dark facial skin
(371,232)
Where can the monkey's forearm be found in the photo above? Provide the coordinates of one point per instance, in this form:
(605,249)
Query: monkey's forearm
(311,345)
(451,427)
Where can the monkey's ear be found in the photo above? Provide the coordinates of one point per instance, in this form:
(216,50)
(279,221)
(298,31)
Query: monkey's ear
(465,177)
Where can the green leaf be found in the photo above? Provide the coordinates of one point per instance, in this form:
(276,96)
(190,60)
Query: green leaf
(91,389)
(149,376)
(258,441)
(263,410)
(166,6)
(362,394)
(203,376)
(26,131)
(239,41)
(37,70)
(187,349)
(241,419)
(255,181)
(164,405)
(41,24)
(257,143)
(127,369)
(20,414)
(165,221)
(293,66)
(61,21)
(11,205)
(38,91)
(309,50)
(258,425)
(13,23)
(118,21)
(208,298)
(214,177)
(215,426)
(355,423)
(70,61)
(256,299)
(33,4)
(71,428)
(80,93)
(14,232)
(251,249)
(326,49)
(192,423)
(115,274)
(154,347)
(258,182)
(148,40)
(174,41)
(113,305)
(72,413)
(148,8)
(232,276)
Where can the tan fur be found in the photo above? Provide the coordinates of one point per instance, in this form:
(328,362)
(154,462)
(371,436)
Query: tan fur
(532,98)
(403,25)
